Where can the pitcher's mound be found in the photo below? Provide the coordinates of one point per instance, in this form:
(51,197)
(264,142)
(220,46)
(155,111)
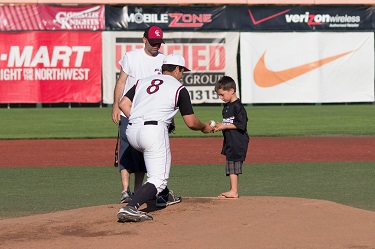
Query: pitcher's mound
(247,222)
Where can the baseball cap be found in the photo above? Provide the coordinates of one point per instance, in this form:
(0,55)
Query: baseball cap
(175,59)
(154,34)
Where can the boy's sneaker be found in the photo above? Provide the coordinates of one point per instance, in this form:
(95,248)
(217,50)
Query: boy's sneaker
(166,200)
(126,196)
(129,213)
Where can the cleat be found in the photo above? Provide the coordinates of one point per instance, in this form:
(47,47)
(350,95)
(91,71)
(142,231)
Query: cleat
(129,213)
(126,196)
(170,199)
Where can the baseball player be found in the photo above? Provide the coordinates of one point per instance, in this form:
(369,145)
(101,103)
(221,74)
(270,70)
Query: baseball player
(151,105)
(135,64)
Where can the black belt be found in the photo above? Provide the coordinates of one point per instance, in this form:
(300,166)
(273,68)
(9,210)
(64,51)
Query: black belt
(153,122)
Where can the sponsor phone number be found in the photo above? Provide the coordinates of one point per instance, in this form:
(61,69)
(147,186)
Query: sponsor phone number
(203,94)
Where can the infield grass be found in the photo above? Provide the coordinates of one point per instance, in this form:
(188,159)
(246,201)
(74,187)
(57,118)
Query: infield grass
(27,191)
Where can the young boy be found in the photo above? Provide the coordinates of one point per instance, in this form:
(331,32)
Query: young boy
(234,130)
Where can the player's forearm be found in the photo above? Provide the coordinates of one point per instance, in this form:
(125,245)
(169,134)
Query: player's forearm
(193,122)
(125,106)
(119,89)
(198,126)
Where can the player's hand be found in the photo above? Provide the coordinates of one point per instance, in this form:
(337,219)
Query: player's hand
(116,115)
(207,128)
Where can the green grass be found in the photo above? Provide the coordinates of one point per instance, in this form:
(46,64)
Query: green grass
(309,120)
(27,191)
(37,123)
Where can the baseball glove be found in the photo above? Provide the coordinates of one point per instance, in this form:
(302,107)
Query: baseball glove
(171,127)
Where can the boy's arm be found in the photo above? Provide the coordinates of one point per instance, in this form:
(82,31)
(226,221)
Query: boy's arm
(220,127)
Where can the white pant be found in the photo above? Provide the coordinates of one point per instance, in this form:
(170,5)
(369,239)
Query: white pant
(153,141)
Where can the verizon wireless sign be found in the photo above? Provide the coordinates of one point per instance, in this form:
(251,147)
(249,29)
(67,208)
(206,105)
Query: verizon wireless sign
(36,69)
(313,17)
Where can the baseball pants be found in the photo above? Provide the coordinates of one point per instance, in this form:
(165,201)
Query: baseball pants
(151,138)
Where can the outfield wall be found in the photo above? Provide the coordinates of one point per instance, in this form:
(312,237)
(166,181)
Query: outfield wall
(187,2)
(277,54)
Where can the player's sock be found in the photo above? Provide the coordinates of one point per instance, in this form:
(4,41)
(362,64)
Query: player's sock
(164,193)
(143,194)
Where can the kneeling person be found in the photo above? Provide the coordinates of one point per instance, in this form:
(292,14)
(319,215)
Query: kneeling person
(150,106)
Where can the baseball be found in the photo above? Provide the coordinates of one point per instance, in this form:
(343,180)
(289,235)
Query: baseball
(212,124)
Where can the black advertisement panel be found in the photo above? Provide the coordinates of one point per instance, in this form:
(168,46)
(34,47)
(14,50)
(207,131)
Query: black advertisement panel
(174,18)
(241,18)
(343,18)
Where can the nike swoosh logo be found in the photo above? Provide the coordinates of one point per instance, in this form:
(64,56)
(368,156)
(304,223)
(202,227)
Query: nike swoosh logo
(266,18)
(264,77)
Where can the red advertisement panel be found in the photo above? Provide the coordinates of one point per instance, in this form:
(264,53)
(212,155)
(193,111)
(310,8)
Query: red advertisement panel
(44,67)
(45,17)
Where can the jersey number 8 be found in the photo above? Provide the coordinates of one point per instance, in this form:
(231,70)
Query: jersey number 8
(154,87)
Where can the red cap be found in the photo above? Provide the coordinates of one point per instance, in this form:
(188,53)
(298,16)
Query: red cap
(154,34)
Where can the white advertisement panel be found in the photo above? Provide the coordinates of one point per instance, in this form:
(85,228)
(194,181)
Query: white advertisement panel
(209,56)
(307,67)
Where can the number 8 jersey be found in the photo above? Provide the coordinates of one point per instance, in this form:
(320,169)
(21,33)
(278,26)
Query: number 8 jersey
(158,98)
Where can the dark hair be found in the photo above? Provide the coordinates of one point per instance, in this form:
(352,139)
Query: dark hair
(170,67)
(225,83)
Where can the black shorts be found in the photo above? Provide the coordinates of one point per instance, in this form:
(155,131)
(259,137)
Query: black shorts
(130,158)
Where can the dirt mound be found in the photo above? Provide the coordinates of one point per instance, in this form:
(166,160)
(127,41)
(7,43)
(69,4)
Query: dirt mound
(247,222)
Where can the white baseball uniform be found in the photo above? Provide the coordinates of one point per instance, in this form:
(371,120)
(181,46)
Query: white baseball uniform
(138,65)
(155,101)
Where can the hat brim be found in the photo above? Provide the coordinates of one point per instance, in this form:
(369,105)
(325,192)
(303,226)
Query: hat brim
(153,41)
(186,69)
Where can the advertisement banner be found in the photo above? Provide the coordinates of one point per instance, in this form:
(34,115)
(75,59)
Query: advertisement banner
(241,18)
(311,17)
(307,67)
(45,17)
(209,56)
(187,18)
(176,18)
(37,69)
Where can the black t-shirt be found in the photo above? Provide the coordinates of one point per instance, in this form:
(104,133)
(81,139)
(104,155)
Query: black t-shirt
(235,140)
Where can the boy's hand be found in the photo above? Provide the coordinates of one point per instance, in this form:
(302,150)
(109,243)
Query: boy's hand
(218,127)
